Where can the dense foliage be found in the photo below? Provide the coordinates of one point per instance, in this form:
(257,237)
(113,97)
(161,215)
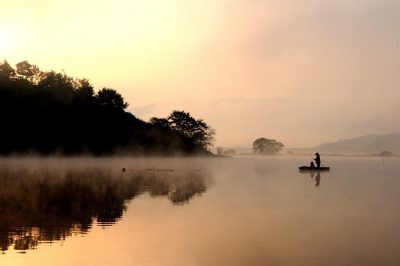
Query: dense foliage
(267,146)
(48,112)
(196,130)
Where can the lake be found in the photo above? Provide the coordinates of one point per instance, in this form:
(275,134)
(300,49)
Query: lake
(207,211)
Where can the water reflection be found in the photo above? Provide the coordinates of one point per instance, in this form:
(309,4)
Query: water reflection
(317,178)
(316,174)
(46,205)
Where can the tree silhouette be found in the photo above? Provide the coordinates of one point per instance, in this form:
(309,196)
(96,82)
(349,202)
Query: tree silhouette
(266,146)
(182,122)
(6,71)
(84,92)
(160,122)
(27,71)
(110,98)
(47,112)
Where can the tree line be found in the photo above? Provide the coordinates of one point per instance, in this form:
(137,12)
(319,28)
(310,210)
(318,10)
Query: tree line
(49,112)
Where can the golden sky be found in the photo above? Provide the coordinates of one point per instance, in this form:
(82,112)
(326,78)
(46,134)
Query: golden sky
(303,72)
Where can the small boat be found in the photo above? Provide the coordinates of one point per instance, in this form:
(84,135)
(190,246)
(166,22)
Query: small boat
(310,168)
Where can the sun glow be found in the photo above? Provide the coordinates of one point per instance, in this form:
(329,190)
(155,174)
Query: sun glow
(6,42)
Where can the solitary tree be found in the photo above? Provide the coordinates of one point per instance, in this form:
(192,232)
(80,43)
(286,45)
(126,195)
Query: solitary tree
(266,146)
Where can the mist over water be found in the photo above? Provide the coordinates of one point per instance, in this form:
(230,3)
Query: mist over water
(46,200)
(199,211)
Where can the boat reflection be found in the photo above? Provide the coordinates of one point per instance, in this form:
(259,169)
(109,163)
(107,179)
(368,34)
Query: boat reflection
(317,178)
(46,205)
(316,174)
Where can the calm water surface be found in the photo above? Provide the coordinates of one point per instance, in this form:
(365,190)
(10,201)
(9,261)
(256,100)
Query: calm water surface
(233,211)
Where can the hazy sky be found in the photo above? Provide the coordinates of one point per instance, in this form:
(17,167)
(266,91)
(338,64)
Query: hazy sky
(303,72)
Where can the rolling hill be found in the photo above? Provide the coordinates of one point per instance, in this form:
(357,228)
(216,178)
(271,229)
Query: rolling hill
(364,144)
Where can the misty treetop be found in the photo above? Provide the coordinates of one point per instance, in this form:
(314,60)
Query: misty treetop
(267,146)
(47,112)
(184,124)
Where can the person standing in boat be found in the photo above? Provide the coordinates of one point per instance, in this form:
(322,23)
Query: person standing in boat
(317,160)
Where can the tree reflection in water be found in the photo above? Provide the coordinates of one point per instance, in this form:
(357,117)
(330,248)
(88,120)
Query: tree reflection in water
(49,205)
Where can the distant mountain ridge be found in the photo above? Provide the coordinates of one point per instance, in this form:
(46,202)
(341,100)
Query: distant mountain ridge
(372,143)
